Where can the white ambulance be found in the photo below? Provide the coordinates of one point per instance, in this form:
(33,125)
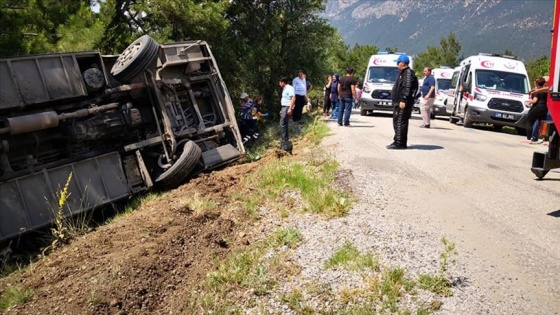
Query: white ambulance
(381,74)
(494,90)
(442,77)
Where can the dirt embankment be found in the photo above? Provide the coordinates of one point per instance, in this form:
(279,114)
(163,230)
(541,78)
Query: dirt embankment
(144,263)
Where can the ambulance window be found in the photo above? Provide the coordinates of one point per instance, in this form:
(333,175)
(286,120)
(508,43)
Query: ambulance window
(443,84)
(383,74)
(468,79)
(454,79)
(502,81)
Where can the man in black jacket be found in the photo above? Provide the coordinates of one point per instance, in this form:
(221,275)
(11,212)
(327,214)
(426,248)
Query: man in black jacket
(403,94)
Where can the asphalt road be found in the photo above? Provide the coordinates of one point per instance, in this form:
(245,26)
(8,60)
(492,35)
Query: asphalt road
(476,186)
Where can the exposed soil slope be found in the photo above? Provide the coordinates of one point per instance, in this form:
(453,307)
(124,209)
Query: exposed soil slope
(144,263)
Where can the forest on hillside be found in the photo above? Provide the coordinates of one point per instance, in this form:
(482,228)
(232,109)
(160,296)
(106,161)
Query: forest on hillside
(254,42)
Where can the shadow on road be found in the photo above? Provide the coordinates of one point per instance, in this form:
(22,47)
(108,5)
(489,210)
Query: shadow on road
(544,179)
(425,147)
(555,214)
(439,128)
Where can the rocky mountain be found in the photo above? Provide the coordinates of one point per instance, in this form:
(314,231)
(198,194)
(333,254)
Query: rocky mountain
(491,26)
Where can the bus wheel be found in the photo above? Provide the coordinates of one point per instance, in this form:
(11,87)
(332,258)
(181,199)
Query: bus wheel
(135,58)
(182,168)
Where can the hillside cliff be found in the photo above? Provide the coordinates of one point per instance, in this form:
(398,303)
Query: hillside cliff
(492,26)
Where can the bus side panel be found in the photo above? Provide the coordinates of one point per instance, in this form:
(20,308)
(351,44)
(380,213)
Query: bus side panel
(31,201)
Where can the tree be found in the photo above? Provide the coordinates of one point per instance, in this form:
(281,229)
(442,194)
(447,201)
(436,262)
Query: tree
(269,39)
(444,55)
(82,32)
(391,49)
(31,26)
(254,41)
(358,58)
(538,68)
(449,51)
(508,52)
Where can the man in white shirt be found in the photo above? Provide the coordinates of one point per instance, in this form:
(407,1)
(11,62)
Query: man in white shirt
(301,87)
(287,101)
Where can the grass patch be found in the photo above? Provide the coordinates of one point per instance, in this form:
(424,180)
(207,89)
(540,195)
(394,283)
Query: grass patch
(349,257)
(435,283)
(245,271)
(439,283)
(258,148)
(287,183)
(392,287)
(198,204)
(296,302)
(317,131)
(380,293)
(285,237)
(309,185)
(13,296)
(67,227)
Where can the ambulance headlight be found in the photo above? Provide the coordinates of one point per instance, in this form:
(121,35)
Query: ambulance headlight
(479,97)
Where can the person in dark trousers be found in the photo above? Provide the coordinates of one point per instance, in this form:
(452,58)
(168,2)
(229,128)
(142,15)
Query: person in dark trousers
(402,96)
(247,123)
(327,96)
(346,95)
(287,102)
(428,97)
(334,96)
(538,110)
(301,87)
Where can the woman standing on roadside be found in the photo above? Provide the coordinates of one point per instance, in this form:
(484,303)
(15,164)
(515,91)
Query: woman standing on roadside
(538,109)
(327,98)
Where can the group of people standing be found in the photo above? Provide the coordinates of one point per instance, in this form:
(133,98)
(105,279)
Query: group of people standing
(342,94)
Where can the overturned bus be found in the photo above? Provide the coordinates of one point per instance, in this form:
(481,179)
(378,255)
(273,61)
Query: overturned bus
(161,114)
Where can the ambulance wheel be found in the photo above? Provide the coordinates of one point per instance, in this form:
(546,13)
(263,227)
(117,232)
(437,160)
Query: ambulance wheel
(467,121)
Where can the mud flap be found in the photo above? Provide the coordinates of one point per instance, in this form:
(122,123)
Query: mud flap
(545,161)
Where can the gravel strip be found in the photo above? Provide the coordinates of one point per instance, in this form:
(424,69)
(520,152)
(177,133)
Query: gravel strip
(377,224)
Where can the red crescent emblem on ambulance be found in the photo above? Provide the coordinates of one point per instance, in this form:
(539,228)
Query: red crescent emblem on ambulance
(487,64)
(379,61)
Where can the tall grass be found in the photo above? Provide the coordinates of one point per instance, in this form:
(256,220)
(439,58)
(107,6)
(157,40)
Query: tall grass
(14,295)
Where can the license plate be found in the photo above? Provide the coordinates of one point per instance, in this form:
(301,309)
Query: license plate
(385,103)
(505,116)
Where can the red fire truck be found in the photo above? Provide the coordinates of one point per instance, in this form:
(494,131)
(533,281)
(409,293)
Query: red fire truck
(545,161)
